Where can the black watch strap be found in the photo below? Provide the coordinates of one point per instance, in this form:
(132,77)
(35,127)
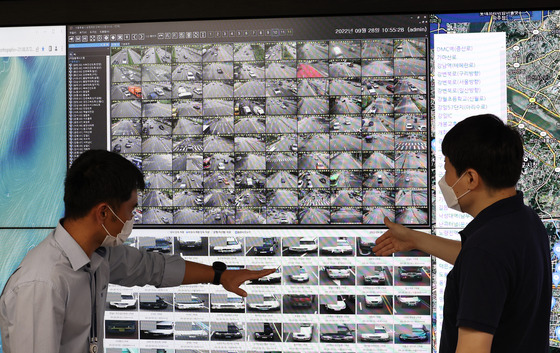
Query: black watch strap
(219,268)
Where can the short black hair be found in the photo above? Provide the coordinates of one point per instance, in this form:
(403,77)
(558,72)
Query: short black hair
(487,145)
(99,176)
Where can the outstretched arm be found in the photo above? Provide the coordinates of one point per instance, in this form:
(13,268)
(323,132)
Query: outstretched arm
(230,280)
(400,238)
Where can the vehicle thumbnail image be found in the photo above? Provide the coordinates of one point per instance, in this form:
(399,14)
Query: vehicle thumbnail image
(412,276)
(151,244)
(264,332)
(193,331)
(337,304)
(222,331)
(375,333)
(300,304)
(159,301)
(191,302)
(374,304)
(161,330)
(122,301)
(375,275)
(226,246)
(415,333)
(299,332)
(230,302)
(265,246)
(337,333)
(273,278)
(412,305)
(337,275)
(294,246)
(332,246)
(192,245)
(365,245)
(263,303)
(121,329)
(307,275)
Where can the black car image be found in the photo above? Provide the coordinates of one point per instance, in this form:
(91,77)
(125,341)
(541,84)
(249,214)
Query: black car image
(266,335)
(343,334)
(233,332)
(410,273)
(156,303)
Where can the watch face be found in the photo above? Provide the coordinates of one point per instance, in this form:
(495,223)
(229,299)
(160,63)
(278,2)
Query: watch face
(219,266)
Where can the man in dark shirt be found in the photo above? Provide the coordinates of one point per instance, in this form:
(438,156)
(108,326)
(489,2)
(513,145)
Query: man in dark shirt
(498,294)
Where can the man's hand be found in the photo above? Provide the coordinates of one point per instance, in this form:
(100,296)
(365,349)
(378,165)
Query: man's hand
(232,279)
(396,238)
(400,238)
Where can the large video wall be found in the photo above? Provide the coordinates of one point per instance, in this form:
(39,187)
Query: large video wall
(280,143)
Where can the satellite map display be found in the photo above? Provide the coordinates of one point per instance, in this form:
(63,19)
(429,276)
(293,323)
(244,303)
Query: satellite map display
(533,93)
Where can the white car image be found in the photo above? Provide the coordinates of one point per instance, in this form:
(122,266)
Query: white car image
(342,246)
(305,245)
(379,334)
(232,302)
(232,245)
(305,333)
(269,303)
(128,300)
(339,305)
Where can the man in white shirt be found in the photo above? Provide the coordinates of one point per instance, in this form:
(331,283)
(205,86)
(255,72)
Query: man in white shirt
(55,300)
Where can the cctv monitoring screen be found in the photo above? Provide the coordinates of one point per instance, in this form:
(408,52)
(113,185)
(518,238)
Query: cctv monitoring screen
(282,143)
(288,122)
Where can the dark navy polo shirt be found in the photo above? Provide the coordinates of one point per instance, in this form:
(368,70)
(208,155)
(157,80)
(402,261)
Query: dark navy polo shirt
(501,282)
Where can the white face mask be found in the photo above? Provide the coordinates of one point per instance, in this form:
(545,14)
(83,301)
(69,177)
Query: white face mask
(449,196)
(110,240)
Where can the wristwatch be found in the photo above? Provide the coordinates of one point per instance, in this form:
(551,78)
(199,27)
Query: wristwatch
(219,268)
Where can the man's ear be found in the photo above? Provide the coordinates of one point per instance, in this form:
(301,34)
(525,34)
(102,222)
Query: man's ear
(473,179)
(100,212)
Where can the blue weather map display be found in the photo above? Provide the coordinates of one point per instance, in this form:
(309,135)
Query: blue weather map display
(533,98)
(32,153)
(32,140)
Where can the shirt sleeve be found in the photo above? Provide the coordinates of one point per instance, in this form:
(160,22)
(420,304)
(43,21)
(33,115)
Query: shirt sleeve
(132,267)
(34,318)
(482,290)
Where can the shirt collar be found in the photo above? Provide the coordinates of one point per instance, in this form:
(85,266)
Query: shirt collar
(497,209)
(74,252)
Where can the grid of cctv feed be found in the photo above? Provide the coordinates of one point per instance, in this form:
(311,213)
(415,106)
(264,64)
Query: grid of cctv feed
(330,294)
(286,133)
